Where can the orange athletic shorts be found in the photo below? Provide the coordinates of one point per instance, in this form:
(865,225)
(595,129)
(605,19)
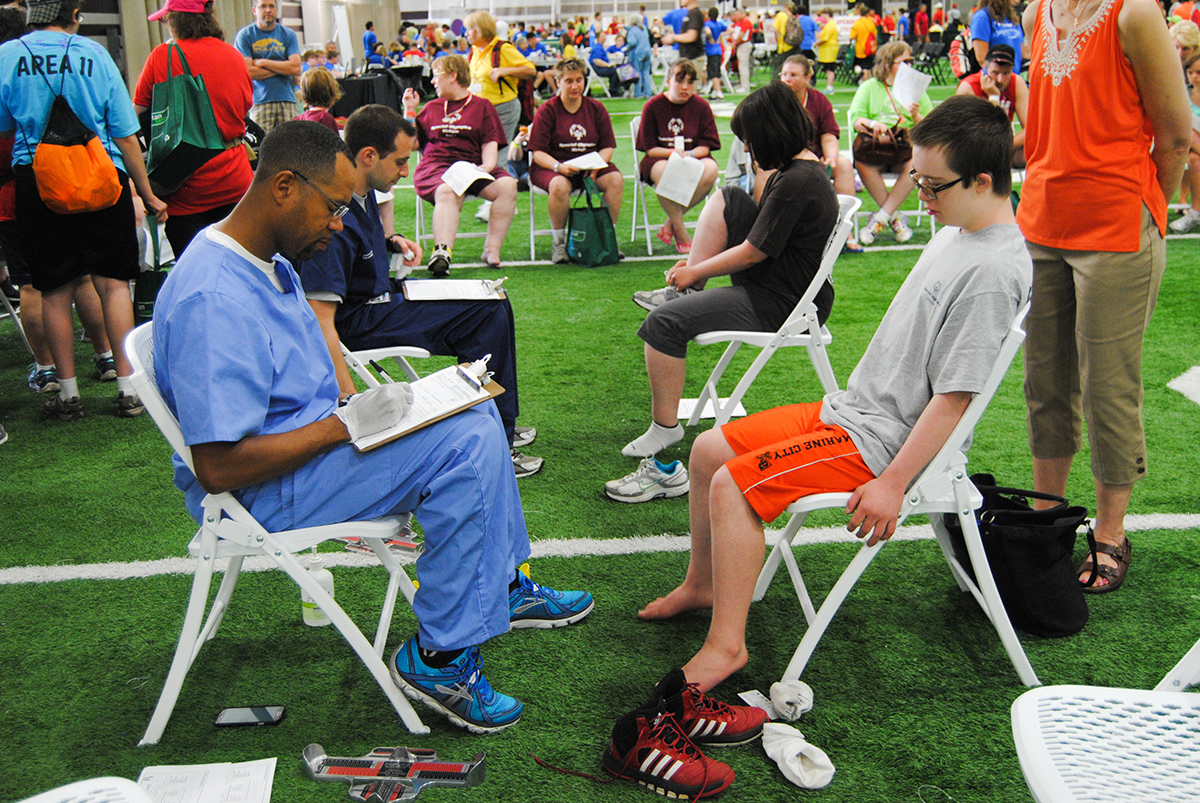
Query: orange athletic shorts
(789,452)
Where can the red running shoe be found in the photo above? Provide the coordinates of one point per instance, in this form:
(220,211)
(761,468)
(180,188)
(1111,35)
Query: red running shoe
(647,747)
(705,721)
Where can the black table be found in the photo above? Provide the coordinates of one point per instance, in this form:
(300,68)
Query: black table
(374,87)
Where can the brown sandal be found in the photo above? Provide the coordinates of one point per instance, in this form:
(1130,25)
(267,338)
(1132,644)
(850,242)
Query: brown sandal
(1115,575)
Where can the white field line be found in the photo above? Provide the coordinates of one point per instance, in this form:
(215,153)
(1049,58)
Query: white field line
(1188,383)
(567,547)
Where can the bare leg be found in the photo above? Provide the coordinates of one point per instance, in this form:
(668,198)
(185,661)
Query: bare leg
(709,453)
(87,306)
(674,211)
(737,556)
(900,190)
(559,201)
(843,177)
(447,209)
(872,179)
(31,320)
(59,327)
(118,318)
(712,237)
(613,187)
(503,194)
(667,375)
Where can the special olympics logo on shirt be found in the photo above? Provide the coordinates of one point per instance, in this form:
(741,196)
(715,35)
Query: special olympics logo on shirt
(451,119)
(675,126)
(578,131)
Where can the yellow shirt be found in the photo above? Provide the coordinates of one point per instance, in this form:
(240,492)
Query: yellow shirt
(860,32)
(827,43)
(481,68)
(780,23)
(569,52)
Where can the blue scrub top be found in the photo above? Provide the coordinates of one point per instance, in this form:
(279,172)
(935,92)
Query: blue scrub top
(88,78)
(355,265)
(234,357)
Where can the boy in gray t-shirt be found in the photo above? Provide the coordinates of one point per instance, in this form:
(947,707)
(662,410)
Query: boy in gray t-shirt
(931,354)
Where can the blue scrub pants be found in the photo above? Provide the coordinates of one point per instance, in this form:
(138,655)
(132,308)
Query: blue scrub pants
(457,476)
(465,330)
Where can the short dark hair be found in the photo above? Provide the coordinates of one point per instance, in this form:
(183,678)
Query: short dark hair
(190,25)
(300,145)
(773,124)
(12,23)
(975,137)
(683,68)
(370,25)
(375,126)
(802,60)
(713,13)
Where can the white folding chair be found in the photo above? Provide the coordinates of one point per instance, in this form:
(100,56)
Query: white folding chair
(800,329)
(595,78)
(229,531)
(943,487)
(534,231)
(94,790)
(421,232)
(639,191)
(15,317)
(358,361)
(725,82)
(1089,743)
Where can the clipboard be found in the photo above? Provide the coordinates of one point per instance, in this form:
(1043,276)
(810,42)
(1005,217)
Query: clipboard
(407,425)
(452,290)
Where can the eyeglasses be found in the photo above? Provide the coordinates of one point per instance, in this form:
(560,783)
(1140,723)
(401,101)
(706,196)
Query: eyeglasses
(339,210)
(932,190)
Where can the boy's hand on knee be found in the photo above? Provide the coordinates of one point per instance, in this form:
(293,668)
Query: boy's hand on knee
(874,509)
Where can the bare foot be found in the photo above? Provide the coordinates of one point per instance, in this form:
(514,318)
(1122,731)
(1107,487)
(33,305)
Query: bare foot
(681,600)
(709,667)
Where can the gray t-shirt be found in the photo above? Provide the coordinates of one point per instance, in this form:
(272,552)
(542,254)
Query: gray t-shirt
(941,334)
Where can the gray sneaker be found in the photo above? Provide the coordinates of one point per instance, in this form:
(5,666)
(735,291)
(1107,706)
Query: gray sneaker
(1189,221)
(129,405)
(652,480)
(525,465)
(69,410)
(649,299)
(106,368)
(559,255)
(523,436)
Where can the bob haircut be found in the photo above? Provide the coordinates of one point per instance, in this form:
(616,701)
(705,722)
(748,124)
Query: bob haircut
(773,124)
(887,57)
(455,65)
(571,65)
(483,23)
(975,137)
(319,88)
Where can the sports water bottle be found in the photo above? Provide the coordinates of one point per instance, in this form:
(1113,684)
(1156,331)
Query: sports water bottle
(311,612)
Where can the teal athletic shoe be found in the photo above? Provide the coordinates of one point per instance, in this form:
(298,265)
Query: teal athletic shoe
(533,605)
(460,691)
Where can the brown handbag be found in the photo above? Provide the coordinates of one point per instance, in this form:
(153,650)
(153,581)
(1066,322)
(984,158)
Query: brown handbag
(881,150)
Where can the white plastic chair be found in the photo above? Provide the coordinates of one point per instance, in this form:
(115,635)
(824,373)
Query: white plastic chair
(943,487)
(594,77)
(94,790)
(229,531)
(1089,743)
(725,82)
(800,329)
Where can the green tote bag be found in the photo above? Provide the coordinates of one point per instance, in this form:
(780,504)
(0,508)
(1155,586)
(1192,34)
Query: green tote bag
(591,238)
(183,129)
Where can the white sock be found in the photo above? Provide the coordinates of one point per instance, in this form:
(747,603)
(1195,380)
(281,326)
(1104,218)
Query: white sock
(654,440)
(883,217)
(124,385)
(105,356)
(560,236)
(49,367)
(68,388)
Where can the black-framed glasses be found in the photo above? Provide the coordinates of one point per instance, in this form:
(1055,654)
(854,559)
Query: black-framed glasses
(932,189)
(339,210)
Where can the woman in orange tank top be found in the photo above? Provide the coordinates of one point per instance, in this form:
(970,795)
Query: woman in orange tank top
(1104,87)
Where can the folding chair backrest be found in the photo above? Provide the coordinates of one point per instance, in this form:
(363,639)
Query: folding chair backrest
(635,125)
(140,348)
(932,483)
(847,206)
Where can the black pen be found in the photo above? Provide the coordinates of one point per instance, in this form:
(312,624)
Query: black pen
(382,372)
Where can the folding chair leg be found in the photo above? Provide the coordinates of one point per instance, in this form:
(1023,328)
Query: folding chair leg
(532,226)
(216,614)
(818,355)
(829,607)
(398,580)
(15,317)
(710,386)
(366,652)
(186,649)
(993,607)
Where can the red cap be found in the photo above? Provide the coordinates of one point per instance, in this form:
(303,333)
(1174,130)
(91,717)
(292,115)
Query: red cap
(189,6)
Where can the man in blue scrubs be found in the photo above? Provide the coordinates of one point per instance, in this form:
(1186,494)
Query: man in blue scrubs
(241,361)
(358,302)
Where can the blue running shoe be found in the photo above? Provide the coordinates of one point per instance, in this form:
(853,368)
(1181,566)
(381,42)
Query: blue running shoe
(460,691)
(532,605)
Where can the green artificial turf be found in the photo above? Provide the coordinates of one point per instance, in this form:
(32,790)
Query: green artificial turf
(912,687)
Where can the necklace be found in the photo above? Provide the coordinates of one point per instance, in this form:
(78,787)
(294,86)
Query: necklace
(1074,16)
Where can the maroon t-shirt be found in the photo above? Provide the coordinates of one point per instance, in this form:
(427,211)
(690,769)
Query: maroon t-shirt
(663,120)
(824,122)
(564,135)
(450,131)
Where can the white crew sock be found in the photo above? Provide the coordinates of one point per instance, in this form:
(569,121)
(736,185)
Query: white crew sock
(68,388)
(49,367)
(105,356)
(654,440)
(124,385)
(560,236)
(883,217)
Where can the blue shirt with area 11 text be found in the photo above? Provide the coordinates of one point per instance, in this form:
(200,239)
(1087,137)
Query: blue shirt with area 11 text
(32,71)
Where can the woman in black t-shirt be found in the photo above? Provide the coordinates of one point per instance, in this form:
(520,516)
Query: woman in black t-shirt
(771,251)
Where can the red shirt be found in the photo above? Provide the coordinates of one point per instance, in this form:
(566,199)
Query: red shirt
(920,24)
(663,120)
(224,179)
(321,116)
(450,131)
(1008,98)
(564,135)
(824,121)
